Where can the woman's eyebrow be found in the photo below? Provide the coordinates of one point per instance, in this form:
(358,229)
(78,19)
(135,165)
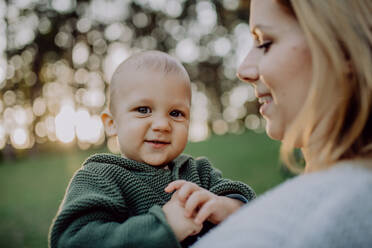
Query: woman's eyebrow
(256,31)
(259,28)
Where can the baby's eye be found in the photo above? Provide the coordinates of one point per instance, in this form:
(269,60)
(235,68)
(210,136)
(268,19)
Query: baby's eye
(176,113)
(143,110)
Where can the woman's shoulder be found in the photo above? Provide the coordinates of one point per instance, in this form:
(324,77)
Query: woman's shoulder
(343,183)
(348,174)
(320,209)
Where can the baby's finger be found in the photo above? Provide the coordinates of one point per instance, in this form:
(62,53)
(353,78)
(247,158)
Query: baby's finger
(186,190)
(197,230)
(206,210)
(175,185)
(196,199)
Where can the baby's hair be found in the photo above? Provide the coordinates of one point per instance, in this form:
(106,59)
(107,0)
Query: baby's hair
(156,60)
(152,60)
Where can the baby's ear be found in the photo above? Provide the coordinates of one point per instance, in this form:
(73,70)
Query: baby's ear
(109,123)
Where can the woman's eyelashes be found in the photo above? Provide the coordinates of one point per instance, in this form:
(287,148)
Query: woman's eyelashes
(262,41)
(265,46)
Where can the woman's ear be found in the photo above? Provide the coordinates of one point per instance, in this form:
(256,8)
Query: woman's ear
(108,123)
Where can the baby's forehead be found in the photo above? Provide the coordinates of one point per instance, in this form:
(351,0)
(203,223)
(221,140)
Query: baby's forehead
(132,81)
(147,65)
(157,62)
(141,70)
(128,76)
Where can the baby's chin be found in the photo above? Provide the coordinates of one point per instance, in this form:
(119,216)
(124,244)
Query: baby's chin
(158,161)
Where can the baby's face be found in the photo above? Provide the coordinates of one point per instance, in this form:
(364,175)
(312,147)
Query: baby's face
(152,113)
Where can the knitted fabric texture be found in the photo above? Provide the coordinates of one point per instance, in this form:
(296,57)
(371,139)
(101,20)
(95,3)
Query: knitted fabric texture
(325,209)
(116,202)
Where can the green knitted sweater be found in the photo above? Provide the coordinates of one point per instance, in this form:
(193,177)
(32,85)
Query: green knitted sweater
(116,202)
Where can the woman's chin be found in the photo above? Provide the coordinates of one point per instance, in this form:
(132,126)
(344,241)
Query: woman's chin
(273,131)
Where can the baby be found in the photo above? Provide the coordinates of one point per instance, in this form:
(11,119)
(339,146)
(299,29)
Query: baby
(127,200)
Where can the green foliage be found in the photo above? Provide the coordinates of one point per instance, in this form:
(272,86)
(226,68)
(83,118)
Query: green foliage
(32,188)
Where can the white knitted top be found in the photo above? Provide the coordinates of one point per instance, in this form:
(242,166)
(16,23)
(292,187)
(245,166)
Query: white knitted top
(332,208)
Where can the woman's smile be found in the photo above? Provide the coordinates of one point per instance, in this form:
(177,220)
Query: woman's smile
(265,102)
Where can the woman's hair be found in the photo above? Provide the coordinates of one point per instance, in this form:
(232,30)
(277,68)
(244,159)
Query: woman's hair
(336,120)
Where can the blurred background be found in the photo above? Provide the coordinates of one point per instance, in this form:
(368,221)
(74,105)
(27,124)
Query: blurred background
(56,61)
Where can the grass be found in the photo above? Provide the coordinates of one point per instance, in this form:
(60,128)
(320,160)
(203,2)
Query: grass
(31,188)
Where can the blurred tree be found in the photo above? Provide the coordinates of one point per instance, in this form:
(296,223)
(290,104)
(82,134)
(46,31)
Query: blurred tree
(58,57)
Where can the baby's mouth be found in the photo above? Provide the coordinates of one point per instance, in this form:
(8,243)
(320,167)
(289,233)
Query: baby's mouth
(157,142)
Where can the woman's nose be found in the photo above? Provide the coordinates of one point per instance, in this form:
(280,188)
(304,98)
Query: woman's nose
(248,69)
(160,123)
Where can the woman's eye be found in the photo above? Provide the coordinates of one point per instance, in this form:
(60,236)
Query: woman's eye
(265,46)
(176,113)
(143,110)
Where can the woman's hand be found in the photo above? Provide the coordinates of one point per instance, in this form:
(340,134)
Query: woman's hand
(203,204)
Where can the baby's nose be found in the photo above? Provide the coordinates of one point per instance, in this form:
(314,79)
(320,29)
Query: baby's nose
(160,123)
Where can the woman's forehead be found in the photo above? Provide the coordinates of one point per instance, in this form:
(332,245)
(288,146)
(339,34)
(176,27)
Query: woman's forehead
(268,14)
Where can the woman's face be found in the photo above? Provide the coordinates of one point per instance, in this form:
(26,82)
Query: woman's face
(279,65)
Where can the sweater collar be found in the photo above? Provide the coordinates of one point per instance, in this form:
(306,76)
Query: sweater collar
(106,158)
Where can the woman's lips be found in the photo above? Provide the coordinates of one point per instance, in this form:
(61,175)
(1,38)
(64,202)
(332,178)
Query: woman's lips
(265,101)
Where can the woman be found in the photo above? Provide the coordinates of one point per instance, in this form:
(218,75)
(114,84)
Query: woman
(311,69)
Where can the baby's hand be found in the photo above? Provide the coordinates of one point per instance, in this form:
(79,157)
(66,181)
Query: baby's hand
(181,225)
(208,206)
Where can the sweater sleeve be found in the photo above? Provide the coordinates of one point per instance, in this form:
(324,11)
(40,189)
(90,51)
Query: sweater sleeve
(94,214)
(212,180)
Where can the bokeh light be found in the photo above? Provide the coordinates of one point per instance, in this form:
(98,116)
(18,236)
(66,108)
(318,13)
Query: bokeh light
(64,124)
(2,136)
(63,6)
(187,51)
(199,129)
(19,138)
(116,54)
(88,128)
(80,53)
(39,106)
(57,58)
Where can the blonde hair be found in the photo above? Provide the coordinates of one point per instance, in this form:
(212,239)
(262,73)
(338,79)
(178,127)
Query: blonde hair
(336,121)
(143,62)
